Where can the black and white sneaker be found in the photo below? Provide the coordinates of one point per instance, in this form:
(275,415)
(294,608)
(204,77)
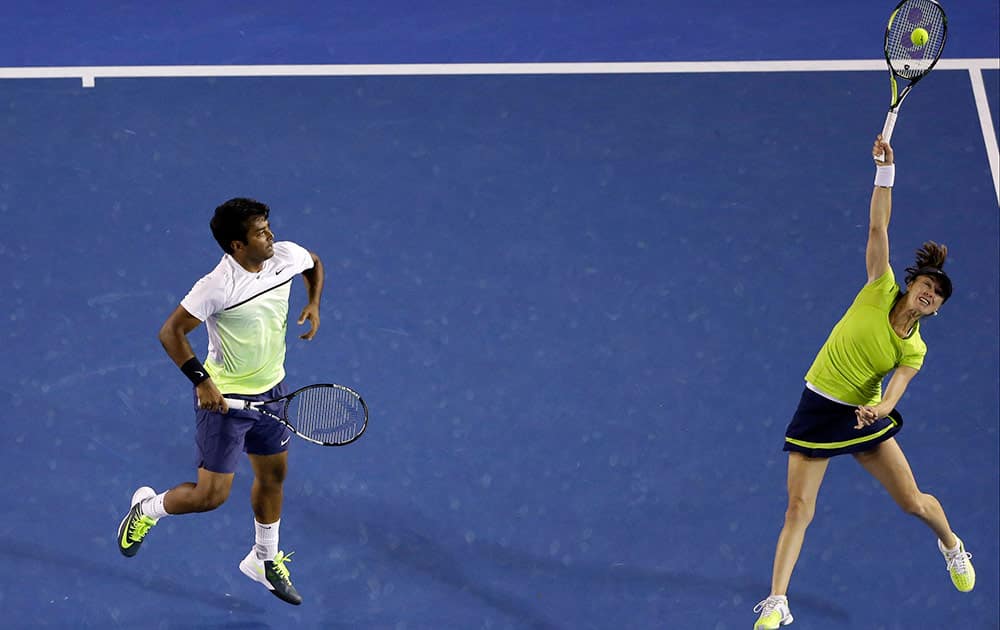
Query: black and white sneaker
(134,527)
(273,574)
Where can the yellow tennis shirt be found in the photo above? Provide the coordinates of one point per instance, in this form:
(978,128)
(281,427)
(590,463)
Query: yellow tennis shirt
(863,347)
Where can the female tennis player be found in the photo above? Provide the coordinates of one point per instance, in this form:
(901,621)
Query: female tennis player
(844,410)
(244,304)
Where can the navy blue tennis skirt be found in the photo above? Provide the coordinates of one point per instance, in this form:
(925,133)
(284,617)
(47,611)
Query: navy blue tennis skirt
(824,428)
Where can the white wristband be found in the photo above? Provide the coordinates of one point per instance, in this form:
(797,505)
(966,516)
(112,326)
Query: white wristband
(885,176)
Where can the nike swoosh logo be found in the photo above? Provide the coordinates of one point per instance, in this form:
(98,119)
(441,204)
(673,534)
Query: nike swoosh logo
(280,270)
(199,374)
(285,441)
(123,540)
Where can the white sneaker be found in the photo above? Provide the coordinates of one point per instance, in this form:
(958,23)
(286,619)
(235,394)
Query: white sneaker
(959,563)
(273,574)
(134,527)
(774,613)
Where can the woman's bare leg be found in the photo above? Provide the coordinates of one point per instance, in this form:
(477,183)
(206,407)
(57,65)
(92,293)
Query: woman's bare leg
(805,475)
(888,464)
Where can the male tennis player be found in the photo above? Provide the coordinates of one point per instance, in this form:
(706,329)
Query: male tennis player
(244,304)
(843,409)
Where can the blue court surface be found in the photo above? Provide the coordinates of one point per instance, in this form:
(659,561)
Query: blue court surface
(579,304)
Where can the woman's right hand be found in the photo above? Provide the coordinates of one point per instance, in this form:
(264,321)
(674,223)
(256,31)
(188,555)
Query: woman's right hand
(882,148)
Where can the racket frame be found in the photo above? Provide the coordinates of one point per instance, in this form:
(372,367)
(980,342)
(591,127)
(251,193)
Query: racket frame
(897,95)
(240,404)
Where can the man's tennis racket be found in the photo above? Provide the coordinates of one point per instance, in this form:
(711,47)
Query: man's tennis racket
(910,23)
(330,415)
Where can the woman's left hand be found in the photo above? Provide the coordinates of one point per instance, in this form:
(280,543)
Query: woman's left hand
(867,416)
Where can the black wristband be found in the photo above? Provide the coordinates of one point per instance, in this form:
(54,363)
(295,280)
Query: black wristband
(194,370)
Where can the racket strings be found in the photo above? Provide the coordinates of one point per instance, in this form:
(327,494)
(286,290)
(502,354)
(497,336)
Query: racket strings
(327,414)
(906,58)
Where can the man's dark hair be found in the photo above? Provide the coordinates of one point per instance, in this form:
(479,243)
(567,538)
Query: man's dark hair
(232,221)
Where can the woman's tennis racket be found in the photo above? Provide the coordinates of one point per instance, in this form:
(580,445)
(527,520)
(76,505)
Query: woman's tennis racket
(914,40)
(330,415)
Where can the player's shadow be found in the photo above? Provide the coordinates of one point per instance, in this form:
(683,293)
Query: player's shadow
(19,550)
(396,537)
(407,539)
(642,577)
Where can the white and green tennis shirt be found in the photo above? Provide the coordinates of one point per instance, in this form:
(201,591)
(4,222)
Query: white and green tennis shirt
(246,315)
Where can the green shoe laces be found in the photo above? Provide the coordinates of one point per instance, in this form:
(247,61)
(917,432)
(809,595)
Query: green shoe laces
(140,527)
(279,563)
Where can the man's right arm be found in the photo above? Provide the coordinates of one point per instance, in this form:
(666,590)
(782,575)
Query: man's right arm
(173,337)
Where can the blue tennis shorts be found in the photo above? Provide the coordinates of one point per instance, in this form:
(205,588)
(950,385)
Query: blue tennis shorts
(824,428)
(220,438)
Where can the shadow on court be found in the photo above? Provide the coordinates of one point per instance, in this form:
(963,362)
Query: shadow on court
(418,552)
(19,550)
(407,539)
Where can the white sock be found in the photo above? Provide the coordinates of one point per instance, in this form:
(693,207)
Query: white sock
(153,507)
(266,539)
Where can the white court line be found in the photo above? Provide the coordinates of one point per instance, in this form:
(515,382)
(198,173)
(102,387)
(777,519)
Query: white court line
(986,123)
(89,74)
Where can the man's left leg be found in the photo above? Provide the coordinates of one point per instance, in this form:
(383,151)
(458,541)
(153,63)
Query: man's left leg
(265,563)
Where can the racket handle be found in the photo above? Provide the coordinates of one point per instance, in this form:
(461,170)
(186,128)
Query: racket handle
(236,403)
(890,124)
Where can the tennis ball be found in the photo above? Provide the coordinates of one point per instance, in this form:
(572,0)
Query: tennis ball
(919,37)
